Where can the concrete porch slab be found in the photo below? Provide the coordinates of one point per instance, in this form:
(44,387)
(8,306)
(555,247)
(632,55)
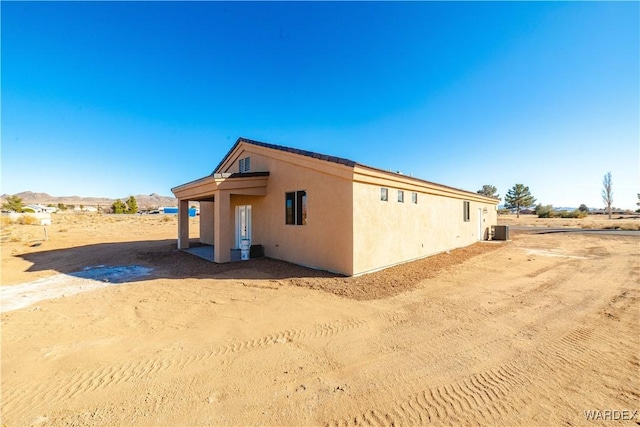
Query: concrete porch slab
(206,252)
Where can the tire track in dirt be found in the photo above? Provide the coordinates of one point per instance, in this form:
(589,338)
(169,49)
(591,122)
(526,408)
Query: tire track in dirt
(485,396)
(54,391)
(473,390)
(564,272)
(492,396)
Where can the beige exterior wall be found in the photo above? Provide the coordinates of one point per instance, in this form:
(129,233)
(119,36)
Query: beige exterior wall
(206,223)
(325,241)
(389,233)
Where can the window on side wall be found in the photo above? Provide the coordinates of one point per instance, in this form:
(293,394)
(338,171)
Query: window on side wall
(466,211)
(414,198)
(384,194)
(295,208)
(400,196)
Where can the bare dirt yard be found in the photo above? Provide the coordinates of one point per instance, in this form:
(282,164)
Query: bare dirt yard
(120,328)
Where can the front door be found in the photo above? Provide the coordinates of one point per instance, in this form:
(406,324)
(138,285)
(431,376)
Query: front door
(243,224)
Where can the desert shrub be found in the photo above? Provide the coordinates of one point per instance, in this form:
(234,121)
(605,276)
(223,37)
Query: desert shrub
(28,220)
(63,230)
(573,214)
(7,221)
(167,218)
(545,211)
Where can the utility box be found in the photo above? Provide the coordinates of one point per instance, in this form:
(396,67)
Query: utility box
(257,251)
(500,232)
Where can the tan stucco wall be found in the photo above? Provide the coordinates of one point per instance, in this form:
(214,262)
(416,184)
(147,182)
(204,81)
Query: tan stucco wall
(206,223)
(349,229)
(389,233)
(325,241)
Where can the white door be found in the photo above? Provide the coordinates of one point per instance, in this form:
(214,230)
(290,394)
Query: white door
(243,223)
(480,234)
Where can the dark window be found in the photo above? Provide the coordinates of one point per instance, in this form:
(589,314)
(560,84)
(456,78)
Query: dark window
(384,194)
(465,211)
(296,208)
(290,207)
(414,198)
(400,196)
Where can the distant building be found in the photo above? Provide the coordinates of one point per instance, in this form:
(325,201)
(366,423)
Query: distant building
(614,211)
(173,210)
(39,209)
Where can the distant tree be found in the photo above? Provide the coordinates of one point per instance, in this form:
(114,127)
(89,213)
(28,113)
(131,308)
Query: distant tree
(81,207)
(72,207)
(583,208)
(13,203)
(607,192)
(62,207)
(118,207)
(489,191)
(518,197)
(132,205)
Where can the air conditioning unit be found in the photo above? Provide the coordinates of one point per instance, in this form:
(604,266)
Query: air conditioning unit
(500,232)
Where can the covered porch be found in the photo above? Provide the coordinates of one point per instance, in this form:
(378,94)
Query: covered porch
(218,219)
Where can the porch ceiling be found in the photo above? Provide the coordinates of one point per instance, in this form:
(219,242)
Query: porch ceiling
(204,189)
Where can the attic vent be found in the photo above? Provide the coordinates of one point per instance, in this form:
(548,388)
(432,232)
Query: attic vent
(245,164)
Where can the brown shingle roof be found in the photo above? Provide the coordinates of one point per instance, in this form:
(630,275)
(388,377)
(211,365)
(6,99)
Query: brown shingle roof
(339,160)
(333,159)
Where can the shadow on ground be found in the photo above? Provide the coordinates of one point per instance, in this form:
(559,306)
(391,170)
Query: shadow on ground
(165,260)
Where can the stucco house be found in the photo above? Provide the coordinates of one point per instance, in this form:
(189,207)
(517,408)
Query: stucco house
(327,212)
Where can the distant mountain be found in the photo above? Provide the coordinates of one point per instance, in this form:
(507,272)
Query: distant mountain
(152,200)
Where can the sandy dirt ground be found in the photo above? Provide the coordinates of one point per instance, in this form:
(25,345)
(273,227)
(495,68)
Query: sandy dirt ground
(535,331)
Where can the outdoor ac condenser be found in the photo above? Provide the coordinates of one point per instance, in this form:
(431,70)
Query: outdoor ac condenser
(500,232)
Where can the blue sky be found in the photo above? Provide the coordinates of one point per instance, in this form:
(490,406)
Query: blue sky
(116,98)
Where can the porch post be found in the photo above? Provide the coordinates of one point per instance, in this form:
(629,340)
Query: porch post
(183,224)
(222,227)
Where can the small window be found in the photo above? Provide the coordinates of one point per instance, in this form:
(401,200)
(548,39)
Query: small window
(296,208)
(384,194)
(400,196)
(465,211)
(245,164)
(414,198)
